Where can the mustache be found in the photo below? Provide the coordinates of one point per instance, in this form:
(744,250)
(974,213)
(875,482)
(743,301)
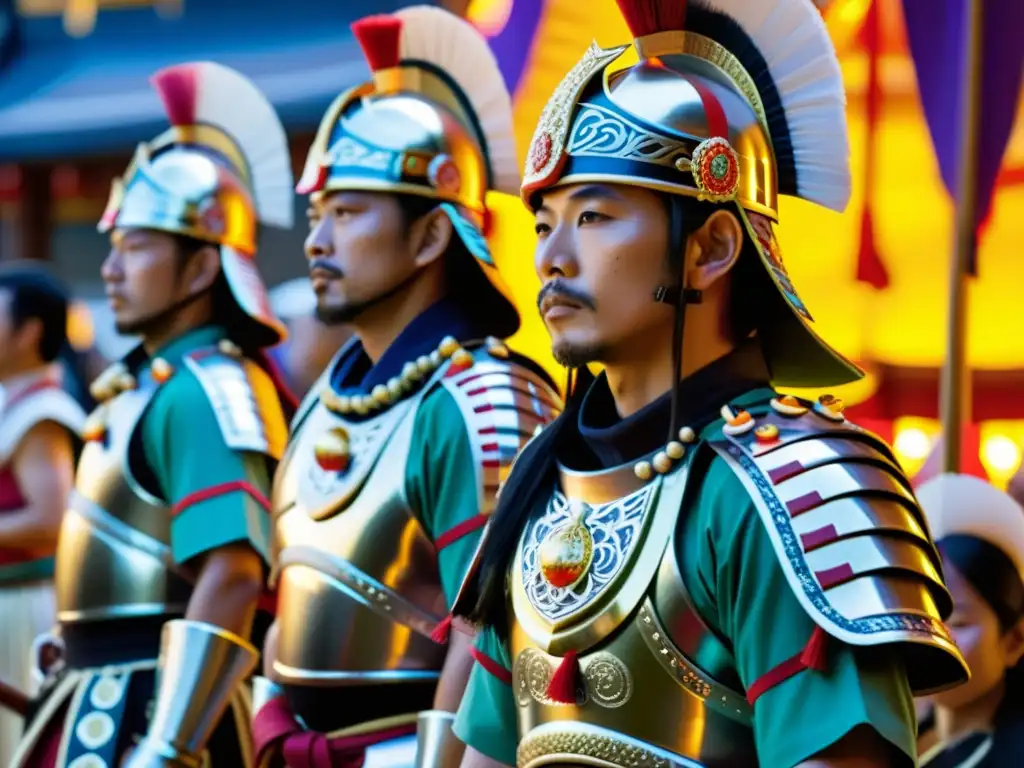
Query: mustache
(326,265)
(566,291)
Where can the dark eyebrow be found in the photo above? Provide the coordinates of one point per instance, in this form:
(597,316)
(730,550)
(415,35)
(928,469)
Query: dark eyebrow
(589,192)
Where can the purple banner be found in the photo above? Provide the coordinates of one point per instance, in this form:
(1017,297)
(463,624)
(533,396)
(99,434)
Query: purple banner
(513,44)
(935,29)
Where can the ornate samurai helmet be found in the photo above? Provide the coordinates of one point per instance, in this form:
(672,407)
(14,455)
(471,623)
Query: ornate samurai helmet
(222,169)
(732,101)
(435,121)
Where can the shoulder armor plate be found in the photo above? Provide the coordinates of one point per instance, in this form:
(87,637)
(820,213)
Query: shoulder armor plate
(850,537)
(244,400)
(46,404)
(503,403)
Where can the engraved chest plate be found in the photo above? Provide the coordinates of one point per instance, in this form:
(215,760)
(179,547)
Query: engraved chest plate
(636,634)
(113,556)
(351,557)
(615,529)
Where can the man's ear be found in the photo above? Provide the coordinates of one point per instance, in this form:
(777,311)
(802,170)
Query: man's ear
(1013,643)
(202,269)
(712,250)
(431,236)
(30,335)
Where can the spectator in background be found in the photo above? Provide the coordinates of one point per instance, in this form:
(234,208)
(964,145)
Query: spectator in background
(311,344)
(40,426)
(979,531)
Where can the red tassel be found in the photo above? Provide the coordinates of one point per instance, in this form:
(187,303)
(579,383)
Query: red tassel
(442,631)
(815,655)
(562,688)
(870,267)
(379,37)
(177,87)
(645,17)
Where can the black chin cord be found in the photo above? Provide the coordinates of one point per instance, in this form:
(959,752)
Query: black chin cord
(679,297)
(158,318)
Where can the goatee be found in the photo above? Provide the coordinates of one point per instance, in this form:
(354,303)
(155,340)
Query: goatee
(135,327)
(340,314)
(575,356)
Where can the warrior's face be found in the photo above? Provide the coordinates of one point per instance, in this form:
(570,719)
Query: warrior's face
(363,251)
(148,279)
(988,650)
(602,253)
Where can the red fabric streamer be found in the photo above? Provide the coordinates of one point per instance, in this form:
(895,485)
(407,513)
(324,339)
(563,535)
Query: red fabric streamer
(222,489)
(275,730)
(461,530)
(492,666)
(870,267)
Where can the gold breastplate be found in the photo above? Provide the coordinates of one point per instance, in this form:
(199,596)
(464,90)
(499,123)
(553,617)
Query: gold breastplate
(637,636)
(114,555)
(358,585)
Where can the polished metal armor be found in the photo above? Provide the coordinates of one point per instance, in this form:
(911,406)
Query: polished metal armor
(353,558)
(114,554)
(848,533)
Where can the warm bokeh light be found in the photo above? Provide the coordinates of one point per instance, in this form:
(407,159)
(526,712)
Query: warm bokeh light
(1001,454)
(844,19)
(913,439)
(80,328)
(489,16)
(913,444)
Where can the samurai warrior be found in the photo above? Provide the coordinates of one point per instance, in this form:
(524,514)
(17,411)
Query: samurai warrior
(396,456)
(161,562)
(689,567)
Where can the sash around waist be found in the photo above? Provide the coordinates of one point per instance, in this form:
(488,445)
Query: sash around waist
(21,567)
(90,644)
(327,709)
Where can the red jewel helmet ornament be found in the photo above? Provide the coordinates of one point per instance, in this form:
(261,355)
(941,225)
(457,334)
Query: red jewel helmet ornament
(540,152)
(444,175)
(716,170)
